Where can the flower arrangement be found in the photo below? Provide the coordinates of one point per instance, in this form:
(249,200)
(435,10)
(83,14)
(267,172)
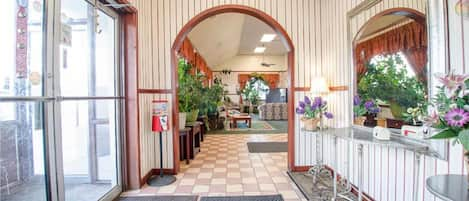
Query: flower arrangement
(313,111)
(361,108)
(450,113)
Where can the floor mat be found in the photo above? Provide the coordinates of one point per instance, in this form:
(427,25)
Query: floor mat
(255,126)
(267,147)
(244,198)
(159,198)
(322,190)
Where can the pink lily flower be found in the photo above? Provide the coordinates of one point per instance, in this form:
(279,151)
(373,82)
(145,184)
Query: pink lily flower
(452,83)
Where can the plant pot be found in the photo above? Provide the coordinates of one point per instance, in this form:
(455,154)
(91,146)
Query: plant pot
(396,110)
(370,120)
(182,120)
(381,122)
(310,124)
(192,116)
(394,123)
(359,120)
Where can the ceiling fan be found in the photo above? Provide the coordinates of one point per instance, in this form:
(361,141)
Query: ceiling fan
(265,64)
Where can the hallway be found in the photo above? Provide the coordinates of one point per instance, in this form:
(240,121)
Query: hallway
(225,167)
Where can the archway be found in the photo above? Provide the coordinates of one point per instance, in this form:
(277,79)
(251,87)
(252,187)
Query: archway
(290,69)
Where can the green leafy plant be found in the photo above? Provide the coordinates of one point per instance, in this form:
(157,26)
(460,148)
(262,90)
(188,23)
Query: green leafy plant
(212,98)
(250,92)
(190,87)
(386,82)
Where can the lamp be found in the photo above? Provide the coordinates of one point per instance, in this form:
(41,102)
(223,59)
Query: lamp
(319,86)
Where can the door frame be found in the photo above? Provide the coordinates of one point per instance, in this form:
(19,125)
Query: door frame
(285,38)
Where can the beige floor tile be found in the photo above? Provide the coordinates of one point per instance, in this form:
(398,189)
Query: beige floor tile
(200,189)
(234,188)
(218,181)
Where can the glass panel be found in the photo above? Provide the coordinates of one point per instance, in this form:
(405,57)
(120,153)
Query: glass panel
(87,63)
(22,173)
(21,73)
(89,148)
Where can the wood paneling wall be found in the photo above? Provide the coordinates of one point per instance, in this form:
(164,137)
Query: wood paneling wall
(319,32)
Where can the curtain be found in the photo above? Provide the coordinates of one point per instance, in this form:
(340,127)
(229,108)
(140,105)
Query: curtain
(187,51)
(410,39)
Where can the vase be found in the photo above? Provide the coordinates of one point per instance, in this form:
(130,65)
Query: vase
(182,120)
(310,124)
(359,120)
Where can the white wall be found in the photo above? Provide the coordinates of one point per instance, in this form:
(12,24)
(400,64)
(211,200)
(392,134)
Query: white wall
(319,32)
(253,63)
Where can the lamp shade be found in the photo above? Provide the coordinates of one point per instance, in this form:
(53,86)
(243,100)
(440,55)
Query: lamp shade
(319,86)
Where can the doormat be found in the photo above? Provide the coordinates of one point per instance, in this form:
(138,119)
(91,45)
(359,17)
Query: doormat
(159,198)
(267,147)
(321,190)
(244,198)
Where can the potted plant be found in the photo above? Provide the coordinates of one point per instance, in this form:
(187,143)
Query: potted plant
(312,112)
(414,116)
(250,93)
(450,115)
(212,98)
(189,93)
(365,112)
(388,80)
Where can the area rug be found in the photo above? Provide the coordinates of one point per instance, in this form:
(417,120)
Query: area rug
(267,147)
(244,198)
(255,126)
(322,190)
(159,198)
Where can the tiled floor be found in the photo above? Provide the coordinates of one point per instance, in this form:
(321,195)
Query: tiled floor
(225,167)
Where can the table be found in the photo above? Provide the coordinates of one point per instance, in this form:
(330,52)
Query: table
(362,137)
(194,137)
(184,144)
(449,187)
(236,118)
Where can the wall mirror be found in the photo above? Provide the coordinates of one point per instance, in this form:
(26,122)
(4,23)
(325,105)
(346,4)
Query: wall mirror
(392,65)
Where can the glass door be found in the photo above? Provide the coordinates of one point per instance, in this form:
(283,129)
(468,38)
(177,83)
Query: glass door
(24,172)
(60,101)
(89,100)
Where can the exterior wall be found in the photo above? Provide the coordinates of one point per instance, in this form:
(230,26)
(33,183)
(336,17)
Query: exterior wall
(319,32)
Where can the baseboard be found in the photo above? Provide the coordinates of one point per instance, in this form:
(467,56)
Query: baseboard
(354,188)
(155,172)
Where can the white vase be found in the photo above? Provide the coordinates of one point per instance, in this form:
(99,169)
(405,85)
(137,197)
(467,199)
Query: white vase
(182,120)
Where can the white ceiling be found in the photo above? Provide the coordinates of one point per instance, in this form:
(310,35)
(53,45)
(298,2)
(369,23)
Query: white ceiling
(225,36)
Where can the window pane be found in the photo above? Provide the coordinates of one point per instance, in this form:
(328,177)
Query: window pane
(89,148)
(22,173)
(21,52)
(87,63)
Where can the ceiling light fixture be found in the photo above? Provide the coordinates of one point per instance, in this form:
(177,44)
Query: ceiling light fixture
(259,50)
(266,38)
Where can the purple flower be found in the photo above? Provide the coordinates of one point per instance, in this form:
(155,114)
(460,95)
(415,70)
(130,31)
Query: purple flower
(307,100)
(300,110)
(369,104)
(317,102)
(356,100)
(457,117)
(328,115)
(302,104)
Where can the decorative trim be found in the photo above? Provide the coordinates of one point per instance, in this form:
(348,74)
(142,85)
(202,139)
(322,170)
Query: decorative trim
(254,13)
(332,88)
(154,91)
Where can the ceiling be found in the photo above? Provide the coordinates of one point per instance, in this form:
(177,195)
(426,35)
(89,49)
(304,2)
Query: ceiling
(224,36)
(382,23)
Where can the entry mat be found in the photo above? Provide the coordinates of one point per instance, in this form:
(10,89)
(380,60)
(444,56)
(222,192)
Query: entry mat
(244,198)
(321,190)
(267,147)
(159,198)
